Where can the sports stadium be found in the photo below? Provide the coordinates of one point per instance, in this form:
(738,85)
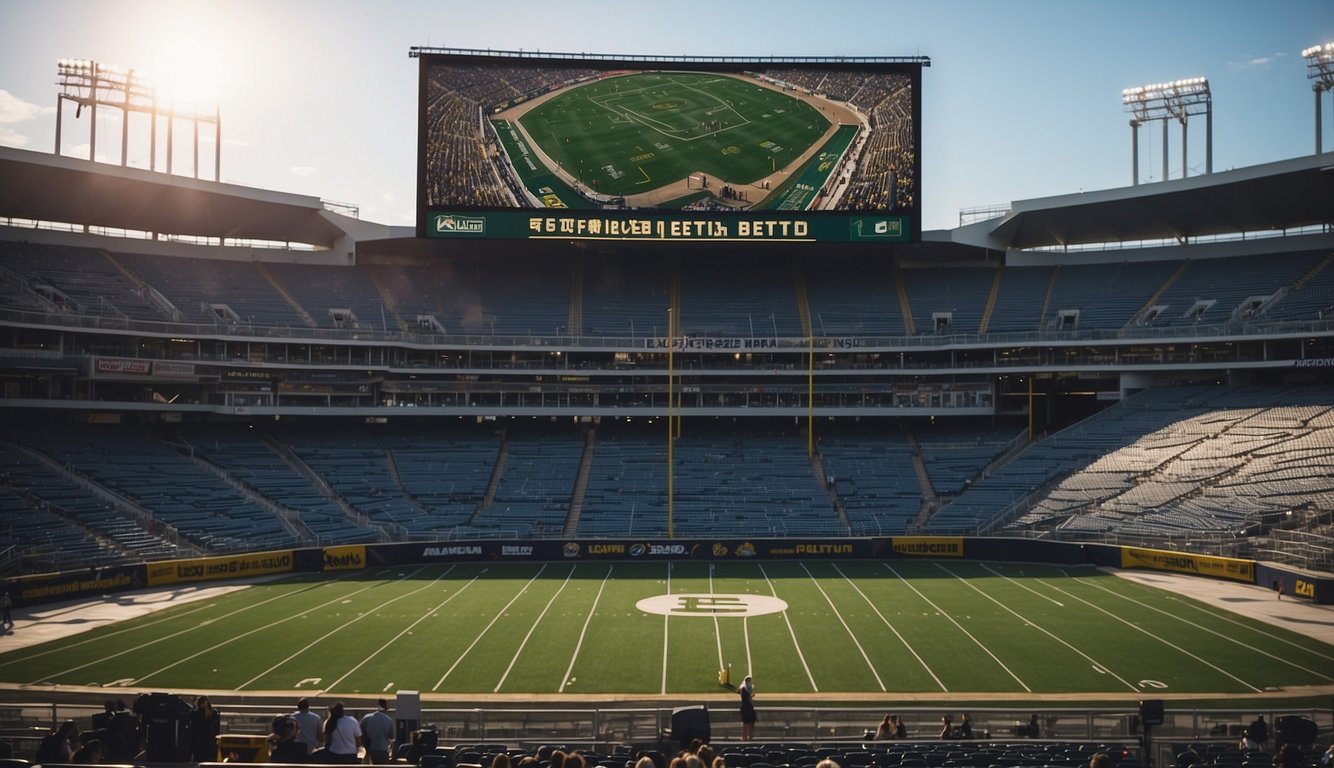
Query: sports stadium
(665,390)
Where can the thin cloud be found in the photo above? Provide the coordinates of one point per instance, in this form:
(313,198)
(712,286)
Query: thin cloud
(12,138)
(1250,62)
(16,110)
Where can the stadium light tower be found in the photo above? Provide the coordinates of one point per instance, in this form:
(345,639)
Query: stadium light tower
(1320,68)
(89,84)
(1177,100)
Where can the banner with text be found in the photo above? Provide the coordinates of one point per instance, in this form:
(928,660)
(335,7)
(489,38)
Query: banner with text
(225,567)
(1186,562)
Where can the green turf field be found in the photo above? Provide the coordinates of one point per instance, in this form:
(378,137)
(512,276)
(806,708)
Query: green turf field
(867,627)
(634,133)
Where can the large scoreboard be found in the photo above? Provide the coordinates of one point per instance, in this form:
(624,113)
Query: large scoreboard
(644,148)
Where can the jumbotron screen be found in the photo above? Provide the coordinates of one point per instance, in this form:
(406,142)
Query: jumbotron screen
(591,147)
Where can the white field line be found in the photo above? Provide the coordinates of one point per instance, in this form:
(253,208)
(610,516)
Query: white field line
(233,638)
(665,619)
(486,629)
(533,628)
(1024,586)
(301,651)
(587,620)
(1143,631)
(1094,662)
(428,614)
(846,628)
(115,633)
(774,591)
(1235,622)
(875,608)
(717,630)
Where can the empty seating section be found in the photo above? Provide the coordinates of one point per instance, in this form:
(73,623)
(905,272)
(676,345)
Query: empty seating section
(1019,300)
(358,471)
(535,491)
(857,298)
(447,475)
(195,286)
(729,298)
(175,488)
(748,486)
(959,293)
(329,293)
(954,458)
(1053,457)
(472,296)
(246,457)
(1310,298)
(1213,291)
(875,480)
(1221,466)
(74,280)
(529,298)
(626,493)
(1106,296)
(626,301)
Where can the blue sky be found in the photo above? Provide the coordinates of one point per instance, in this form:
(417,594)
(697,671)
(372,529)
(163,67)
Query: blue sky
(1023,98)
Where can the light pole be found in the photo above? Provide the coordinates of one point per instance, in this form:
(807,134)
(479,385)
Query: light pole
(1320,69)
(1177,100)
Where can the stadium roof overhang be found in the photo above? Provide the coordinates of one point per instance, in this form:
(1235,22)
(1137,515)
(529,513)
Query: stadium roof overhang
(56,188)
(1274,196)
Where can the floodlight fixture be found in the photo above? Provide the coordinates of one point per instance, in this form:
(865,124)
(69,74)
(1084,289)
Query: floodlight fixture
(90,84)
(1320,70)
(1174,100)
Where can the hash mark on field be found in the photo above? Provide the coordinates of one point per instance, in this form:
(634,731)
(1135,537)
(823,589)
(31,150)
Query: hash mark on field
(487,628)
(1021,585)
(587,620)
(533,628)
(911,650)
(793,633)
(407,630)
(338,629)
(846,628)
(647,178)
(1029,623)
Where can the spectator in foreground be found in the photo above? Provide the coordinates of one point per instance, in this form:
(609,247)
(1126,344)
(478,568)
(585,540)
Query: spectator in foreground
(205,725)
(377,729)
(308,725)
(342,736)
(285,746)
(1100,760)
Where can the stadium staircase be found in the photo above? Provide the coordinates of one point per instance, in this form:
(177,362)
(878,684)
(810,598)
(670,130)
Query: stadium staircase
(355,516)
(1046,300)
(287,297)
(580,485)
(822,478)
(124,507)
(991,301)
(909,327)
(1146,312)
(150,294)
(803,305)
(291,519)
(930,499)
(493,487)
(387,296)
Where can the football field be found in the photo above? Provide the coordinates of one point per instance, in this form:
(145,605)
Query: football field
(649,629)
(628,135)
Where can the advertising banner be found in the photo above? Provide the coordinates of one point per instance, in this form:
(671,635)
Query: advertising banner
(1185,562)
(225,567)
(927,546)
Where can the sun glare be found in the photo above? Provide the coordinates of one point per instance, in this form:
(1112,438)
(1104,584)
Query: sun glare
(187,66)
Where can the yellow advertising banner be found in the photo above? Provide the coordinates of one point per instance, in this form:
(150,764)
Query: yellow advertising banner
(1187,562)
(351,557)
(928,546)
(224,567)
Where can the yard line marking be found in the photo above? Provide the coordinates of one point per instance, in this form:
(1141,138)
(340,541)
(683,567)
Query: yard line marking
(487,628)
(587,620)
(1097,665)
(1230,620)
(851,634)
(774,591)
(533,628)
(911,650)
(426,615)
(336,599)
(337,629)
(665,619)
(1203,661)
(164,619)
(1022,585)
(717,629)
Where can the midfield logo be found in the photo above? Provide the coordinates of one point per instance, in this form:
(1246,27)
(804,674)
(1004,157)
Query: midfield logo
(453,224)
